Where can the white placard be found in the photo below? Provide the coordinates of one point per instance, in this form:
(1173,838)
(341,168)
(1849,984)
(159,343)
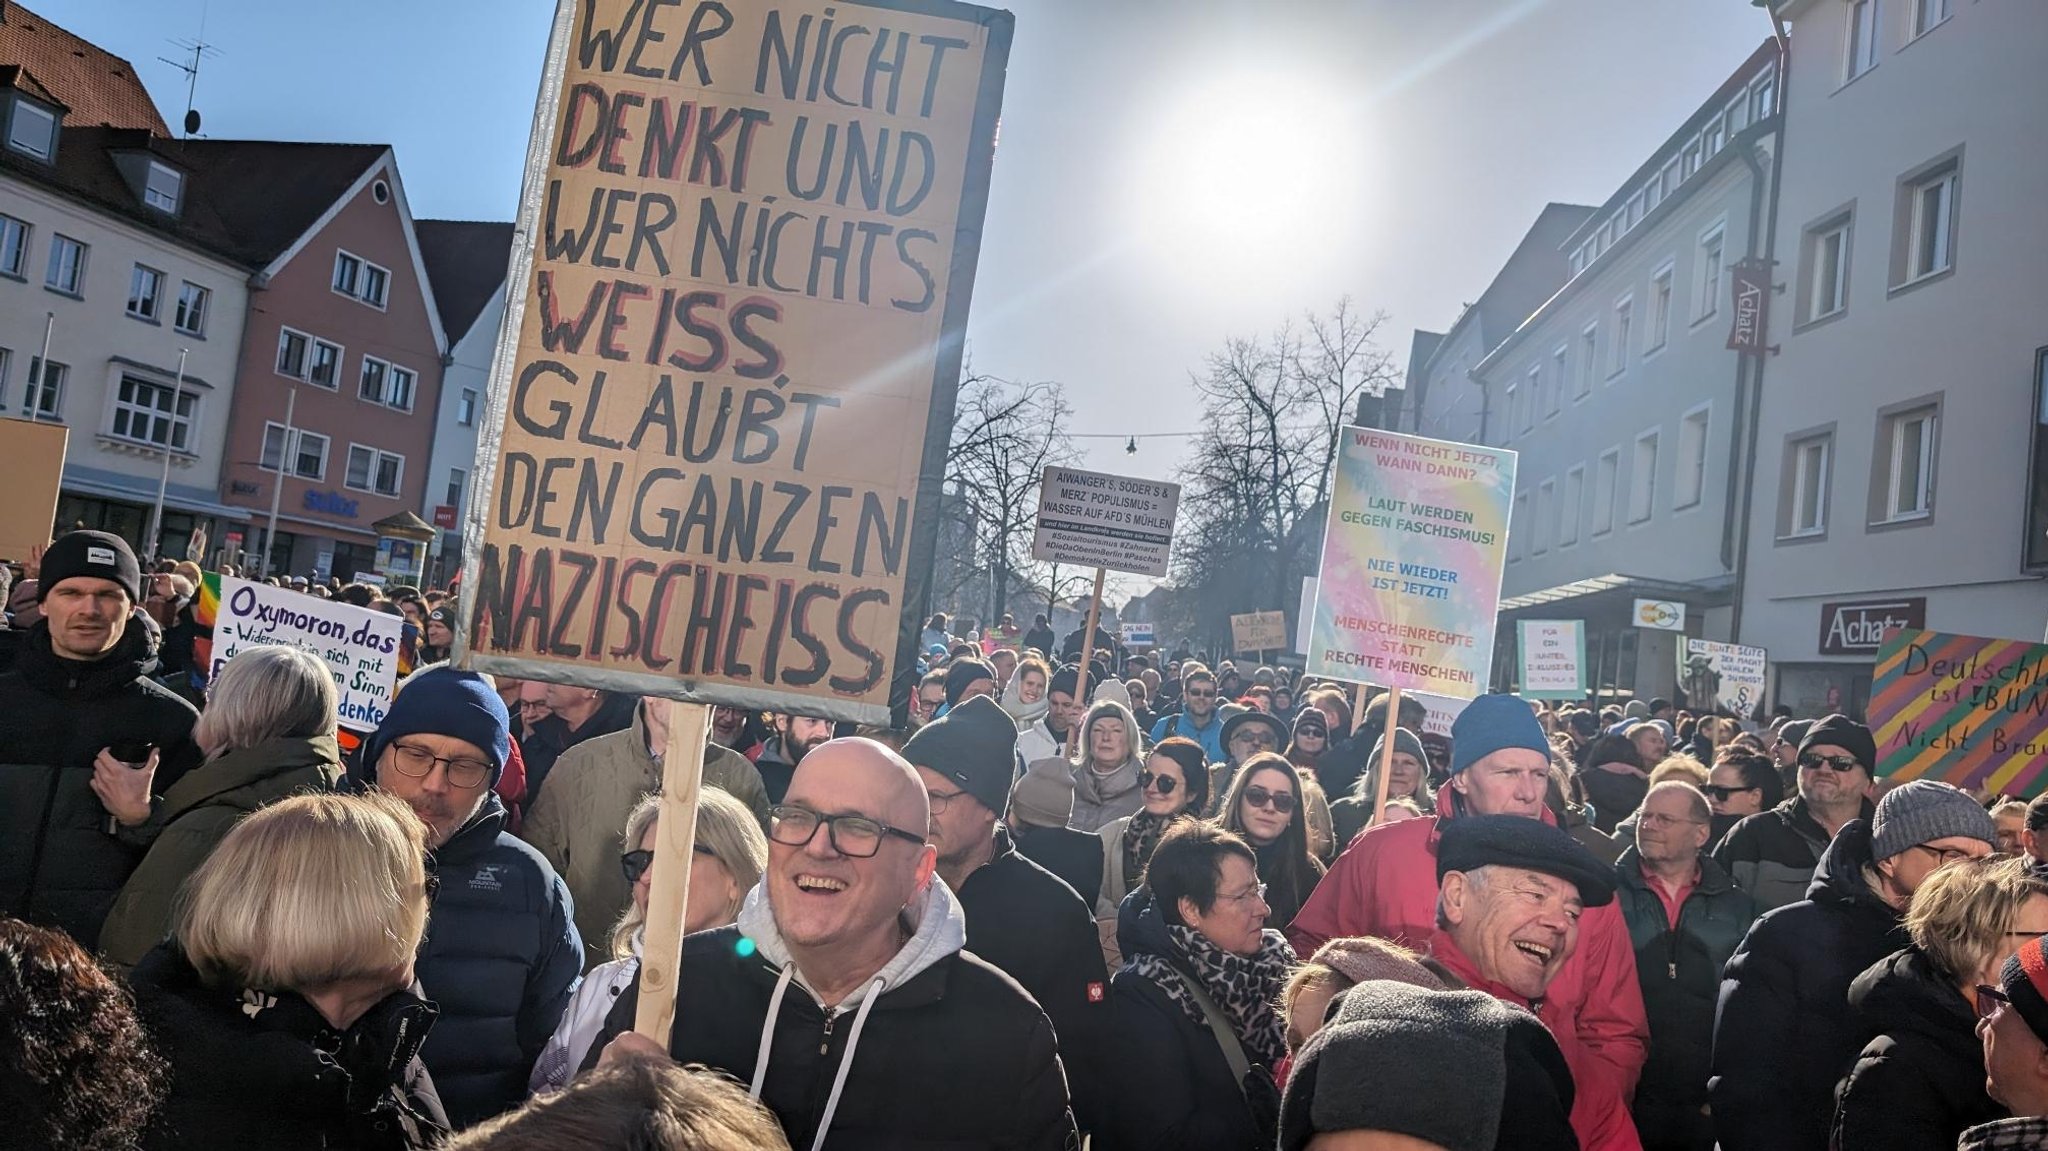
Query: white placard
(362,648)
(1096,520)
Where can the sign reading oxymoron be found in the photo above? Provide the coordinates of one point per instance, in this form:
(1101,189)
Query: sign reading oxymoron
(1553,658)
(724,386)
(1727,676)
(1412,555)
(367,652)
(1857,627)
(1095,520)
(1259,631)
(1959,708)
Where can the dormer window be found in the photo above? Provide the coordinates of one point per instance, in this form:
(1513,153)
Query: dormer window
(32,129)
(163,188)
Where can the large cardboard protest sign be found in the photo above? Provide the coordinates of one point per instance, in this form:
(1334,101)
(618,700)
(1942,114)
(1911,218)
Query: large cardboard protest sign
(367,652)
(1728,676)
(35,468)
(1259,631)
(1963,709)
(1412,555)
(1553,658)
(1098,520)
(724,385)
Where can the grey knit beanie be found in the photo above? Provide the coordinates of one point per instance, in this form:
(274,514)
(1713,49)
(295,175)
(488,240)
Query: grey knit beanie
(1923,811)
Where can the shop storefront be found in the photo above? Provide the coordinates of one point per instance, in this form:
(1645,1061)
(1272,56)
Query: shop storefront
(1626,658)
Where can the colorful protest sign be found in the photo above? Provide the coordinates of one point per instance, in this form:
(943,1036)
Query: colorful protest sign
(367,651)
(1259,631)
(1962,709)
(724,386)
(1728,676)
(1553,658)
(1412,555)
(1096,520)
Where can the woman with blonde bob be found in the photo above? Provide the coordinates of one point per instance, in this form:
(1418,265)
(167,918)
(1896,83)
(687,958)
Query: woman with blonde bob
(281,1000)
(731,852)
(1920,1080)
(268,732)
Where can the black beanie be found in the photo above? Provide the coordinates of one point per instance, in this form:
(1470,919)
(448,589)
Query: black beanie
(975,746)
(102,555)
(1066,679)
(1845,733)
(963,672)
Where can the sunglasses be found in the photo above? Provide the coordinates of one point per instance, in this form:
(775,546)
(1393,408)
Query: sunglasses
(1716,791)
(1814,761)
(1990,1001)
(1280,801)
(634,864)
(1163,784)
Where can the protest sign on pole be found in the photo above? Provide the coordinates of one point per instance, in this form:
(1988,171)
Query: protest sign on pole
(1259,631)
(1728,676)
(1962,709)
(1136,634)
(366,651)
(1553,658)
(35,469)
(1305,613)
(735,315)
(1121,523)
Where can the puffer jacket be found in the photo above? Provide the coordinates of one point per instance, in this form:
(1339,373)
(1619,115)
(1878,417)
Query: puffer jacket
(500,958)
(1920,1080)
(1679,967)
(1782,1035)
(577,823)
(60,866)
(195,814)
(1772,854)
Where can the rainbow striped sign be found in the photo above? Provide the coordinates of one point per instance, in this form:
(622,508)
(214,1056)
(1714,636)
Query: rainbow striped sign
(1962,709)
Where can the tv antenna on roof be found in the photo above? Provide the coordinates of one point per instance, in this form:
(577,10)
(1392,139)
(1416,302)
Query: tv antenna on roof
(200,51)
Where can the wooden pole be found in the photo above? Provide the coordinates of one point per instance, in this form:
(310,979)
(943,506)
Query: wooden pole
(661,953)
(1087,655)
(1379,799)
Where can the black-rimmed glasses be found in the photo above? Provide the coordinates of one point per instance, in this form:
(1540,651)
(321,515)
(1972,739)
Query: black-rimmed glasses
(854,836)
(417,762)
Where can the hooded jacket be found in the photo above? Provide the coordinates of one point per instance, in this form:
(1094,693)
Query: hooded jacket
(59,865)
(938,1051)
(1772,854)
(1098,799)
(579,823)
(1782,1035)
(1385,884)
(500,958)
(1920,1080)
(195,814)
(1013,703)
(257,1069)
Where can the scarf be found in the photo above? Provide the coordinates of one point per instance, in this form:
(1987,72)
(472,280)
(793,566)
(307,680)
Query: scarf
(1141,835)
(2025,1133)
(1245,987)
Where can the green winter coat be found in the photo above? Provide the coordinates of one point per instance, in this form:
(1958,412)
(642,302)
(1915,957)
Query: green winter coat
(194,815)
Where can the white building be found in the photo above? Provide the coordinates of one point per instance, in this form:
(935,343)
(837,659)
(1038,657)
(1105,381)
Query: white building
(466,262)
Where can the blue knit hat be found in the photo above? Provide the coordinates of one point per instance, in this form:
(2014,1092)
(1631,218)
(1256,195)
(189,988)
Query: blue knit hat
(443,701)
(1492,723)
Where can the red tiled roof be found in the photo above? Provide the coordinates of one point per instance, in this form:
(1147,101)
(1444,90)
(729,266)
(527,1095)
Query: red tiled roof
(97,86)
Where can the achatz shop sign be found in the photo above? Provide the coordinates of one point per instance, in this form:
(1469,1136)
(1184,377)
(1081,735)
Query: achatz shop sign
(1857,627)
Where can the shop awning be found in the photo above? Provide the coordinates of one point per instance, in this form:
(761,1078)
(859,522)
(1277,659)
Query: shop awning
(1601,590)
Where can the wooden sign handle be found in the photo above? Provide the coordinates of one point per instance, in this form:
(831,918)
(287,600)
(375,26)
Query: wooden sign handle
(1379,800)
(661,952)
(1087,655)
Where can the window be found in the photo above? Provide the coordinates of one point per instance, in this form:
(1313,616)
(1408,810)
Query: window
(1710,275)
(357,277)
(13,247)
(291,353)
(67,266)
(1805,512)
(457,480)
(146,294)
(1689,160)
(45,395)
(161,189)
(1711,138)
(2036,546)
(309,452)
(33,130)
(375,372)
(1568,507)
(152,413)
(1635,210)
(1653,192)
(1557,379)
(1545,527)
(1518,527)
(1862,38)
(384,382)
(1624,324)
(1928,13)
(1738,114)
(1606,475)
(1827,262)
(1642,479)
(1692,459)
(1906,445)
(1660,307)
(1765,95)
(192,302)
(371,470)
(1931,220)
(325,368)
(1671,176)
(6,362)
(1589,353)
(465,411)
(403,383)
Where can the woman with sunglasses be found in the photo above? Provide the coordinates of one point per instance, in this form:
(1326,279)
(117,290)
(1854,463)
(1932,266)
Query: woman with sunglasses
(1310,739)
(1264,806)
(1920,1080)
(730,855)
(1175,783)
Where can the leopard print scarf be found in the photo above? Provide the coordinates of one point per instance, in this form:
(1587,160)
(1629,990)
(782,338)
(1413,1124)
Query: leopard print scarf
(1246,987)
(1141,835)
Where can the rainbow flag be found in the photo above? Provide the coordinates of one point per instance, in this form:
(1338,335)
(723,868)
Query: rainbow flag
(1962,709)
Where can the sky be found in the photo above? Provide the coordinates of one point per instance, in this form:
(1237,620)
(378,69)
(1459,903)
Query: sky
(1170,173)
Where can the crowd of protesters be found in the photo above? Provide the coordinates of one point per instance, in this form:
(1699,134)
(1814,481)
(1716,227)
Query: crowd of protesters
(1145,902)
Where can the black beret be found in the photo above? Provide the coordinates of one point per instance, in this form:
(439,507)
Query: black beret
(1474,841)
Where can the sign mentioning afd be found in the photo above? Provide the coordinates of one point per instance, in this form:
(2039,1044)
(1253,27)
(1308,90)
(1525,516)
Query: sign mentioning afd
(1103,521)
(367,652)
(1962,709)
(1857,627)
(1412,554)
(1259,631)
(724,388)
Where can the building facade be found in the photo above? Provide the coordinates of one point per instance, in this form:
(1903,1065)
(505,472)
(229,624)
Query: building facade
(466,263)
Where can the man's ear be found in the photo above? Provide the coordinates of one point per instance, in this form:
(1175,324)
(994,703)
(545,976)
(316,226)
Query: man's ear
(1457,889)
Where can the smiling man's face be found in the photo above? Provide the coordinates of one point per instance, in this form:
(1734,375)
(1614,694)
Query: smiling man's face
(823,897)
(1517,926)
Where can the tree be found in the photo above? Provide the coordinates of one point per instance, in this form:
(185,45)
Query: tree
(1257,486)
(1005,433)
